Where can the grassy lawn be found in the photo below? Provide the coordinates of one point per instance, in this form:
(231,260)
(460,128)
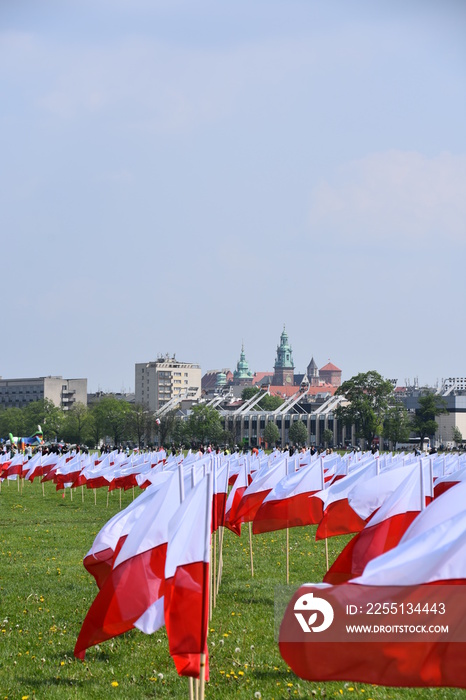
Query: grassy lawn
(45,593)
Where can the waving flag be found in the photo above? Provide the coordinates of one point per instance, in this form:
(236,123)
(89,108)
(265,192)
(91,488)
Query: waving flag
(136,579)
(432,551)
(186,591)
(289,503)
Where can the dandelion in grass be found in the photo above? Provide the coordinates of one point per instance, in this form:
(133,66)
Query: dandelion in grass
(114,684)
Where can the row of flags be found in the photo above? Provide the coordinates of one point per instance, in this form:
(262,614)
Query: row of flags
(427,564)
(151,560)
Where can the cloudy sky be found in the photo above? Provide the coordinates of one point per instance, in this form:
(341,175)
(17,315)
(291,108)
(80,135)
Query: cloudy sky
(180,177)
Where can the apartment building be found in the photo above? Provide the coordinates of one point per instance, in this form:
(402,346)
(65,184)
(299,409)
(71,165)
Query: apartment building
(156,383)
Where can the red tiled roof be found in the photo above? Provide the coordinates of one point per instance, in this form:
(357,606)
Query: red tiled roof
(329,367)
(287,390)
(259,376)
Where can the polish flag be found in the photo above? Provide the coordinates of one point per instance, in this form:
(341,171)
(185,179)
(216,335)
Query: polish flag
(384,530)
(68,473)
(431,551)
(220,496)
(136,580)
(262,484)
(339,518)
(289,503)
(15,468)
(444,483)
(368,495)
(34,467)
(108,542)
(234,498)
(186,591)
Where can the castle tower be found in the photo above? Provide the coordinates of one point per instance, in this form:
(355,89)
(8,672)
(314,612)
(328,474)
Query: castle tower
(284,367)
(313,373)
(242,375)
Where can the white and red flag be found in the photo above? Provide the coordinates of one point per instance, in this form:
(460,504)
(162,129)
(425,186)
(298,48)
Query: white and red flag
(262,484)
(136,580)
(234,498)
(339,518)
(418,638)
(186,590)
(289,503)
(385,529)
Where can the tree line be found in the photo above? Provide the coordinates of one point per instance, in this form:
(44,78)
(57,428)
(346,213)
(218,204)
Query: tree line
(115,420)
(371,406)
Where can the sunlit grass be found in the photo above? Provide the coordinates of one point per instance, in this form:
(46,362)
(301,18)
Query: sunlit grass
(45,593)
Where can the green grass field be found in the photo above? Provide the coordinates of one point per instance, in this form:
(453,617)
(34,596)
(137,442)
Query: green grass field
(45,593)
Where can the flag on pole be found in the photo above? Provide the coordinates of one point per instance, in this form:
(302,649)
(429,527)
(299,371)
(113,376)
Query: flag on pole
(136,579)
(261,485)
(383,531)
(186,590)
(432,551)
(289,503)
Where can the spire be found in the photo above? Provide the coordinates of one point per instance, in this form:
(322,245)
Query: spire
(242,368)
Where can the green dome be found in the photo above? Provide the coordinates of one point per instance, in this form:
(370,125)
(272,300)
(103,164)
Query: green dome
(284,353)
(242,368)
(221,379)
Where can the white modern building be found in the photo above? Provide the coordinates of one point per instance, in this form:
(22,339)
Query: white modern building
(164,380)
(62,392)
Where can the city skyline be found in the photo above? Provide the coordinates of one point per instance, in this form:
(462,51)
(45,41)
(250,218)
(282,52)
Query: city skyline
(180,178)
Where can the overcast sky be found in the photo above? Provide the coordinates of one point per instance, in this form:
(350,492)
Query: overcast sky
(181,176)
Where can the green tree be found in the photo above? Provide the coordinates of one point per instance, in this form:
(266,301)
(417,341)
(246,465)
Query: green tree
(271,433)
(139,421)
(76,424)
(367,396)
(168,428)
(269,403)
(397,424)
(327,436)
(204,425)
(111,418)
(423,423)
(248,392)
(12,421)
(456,435)
(47,415)
(298,433)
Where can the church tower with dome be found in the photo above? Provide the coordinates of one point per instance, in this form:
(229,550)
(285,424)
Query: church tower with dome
(242,375)
(284,368)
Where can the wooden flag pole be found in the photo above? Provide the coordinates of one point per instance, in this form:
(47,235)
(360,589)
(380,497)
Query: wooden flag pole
(43,489)
(287,554)
(191,688)
(202,676)
(221,530)
(215,570)
(326,552)
(211,572)
(82,493)
(120,498)
(95,497)
(71,494)
(250,549)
